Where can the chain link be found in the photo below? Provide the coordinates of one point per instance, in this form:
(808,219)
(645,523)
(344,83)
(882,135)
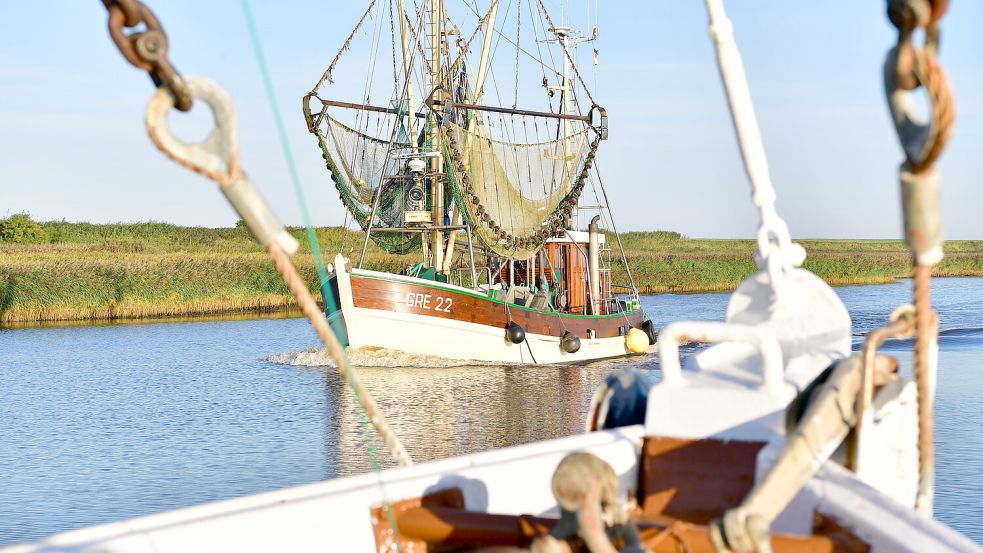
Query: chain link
(146,49)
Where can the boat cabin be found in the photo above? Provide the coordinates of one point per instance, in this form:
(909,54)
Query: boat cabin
(558,278)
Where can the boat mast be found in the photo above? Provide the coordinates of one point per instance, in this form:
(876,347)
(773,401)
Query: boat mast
(478,89)
(562,35)
(410,123)
(407,71)
(436,183)
(479,84)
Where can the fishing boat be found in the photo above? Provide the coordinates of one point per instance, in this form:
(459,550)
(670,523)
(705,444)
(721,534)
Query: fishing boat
(509,265)
(774,438)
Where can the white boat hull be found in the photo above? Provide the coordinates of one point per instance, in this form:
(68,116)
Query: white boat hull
(413,315)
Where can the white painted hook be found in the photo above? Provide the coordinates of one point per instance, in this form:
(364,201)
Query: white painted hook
(217,156)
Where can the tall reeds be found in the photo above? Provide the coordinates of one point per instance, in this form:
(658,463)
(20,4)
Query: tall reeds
(85,271)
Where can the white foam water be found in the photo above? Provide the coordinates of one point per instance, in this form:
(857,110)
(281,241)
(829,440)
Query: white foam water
(371,357)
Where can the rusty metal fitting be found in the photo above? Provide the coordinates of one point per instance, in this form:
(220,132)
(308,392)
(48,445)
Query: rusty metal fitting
(132,9)
(908,15)
(146,50)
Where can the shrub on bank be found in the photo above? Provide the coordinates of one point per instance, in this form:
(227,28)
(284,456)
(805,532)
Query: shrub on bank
(19,228)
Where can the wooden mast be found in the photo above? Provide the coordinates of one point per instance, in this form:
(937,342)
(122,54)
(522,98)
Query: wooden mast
(479,88)
(561,36)
(436,184)
(407,66)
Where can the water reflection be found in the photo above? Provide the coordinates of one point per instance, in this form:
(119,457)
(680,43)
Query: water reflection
(442,412)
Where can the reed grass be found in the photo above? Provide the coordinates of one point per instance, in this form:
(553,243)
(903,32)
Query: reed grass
(154,270)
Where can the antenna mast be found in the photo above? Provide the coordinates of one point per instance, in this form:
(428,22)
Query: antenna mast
(565,37)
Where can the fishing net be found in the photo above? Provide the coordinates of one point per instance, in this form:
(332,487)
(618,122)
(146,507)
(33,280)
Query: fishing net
(516,196)
(359,163)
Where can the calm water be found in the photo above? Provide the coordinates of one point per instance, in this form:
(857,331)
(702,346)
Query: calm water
(107,422)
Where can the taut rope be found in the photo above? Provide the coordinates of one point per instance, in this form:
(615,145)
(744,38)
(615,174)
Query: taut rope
(908,66)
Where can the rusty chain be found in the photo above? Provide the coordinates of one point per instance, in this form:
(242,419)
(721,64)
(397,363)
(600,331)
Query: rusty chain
(146,49)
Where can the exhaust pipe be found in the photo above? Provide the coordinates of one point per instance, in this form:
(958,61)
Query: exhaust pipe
(594,266)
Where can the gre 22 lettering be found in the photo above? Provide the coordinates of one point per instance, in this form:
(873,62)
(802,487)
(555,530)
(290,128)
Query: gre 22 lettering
(427,302)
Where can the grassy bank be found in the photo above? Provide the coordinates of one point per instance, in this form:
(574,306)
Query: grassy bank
(80,271)
(666,262)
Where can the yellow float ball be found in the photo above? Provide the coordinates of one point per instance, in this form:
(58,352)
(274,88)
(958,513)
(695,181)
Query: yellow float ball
(636,340)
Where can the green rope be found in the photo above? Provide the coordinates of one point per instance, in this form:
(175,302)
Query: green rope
(322,272)
(316,250)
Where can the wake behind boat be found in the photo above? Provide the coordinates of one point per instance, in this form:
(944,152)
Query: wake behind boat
(513,266)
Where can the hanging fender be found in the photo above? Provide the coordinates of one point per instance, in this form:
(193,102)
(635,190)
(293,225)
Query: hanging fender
(648,327)
(569,342)
(514,333)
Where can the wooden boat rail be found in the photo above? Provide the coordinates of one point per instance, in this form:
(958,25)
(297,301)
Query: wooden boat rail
(439,522)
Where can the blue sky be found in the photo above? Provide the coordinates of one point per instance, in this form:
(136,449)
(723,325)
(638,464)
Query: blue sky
(73,146)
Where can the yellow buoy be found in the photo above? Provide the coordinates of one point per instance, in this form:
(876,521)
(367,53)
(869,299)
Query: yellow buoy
(636,340)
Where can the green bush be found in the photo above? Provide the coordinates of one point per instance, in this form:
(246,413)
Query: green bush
(19,228)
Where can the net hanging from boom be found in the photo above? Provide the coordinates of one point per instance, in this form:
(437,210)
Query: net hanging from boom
(516,196)
(514,176)
(359,163)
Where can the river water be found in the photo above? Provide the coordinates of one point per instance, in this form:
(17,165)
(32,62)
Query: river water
(99,423)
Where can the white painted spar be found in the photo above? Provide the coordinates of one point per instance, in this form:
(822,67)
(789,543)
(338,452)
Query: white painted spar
(452,339)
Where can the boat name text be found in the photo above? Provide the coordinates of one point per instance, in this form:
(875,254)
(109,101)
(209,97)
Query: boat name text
(426,301)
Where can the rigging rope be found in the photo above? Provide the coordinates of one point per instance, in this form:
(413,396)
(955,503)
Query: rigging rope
(367,406)
(538,60)
(217,158)
(909,66)
(416,39)
(617,235)
(344,47)
(566,53)
(285,145)
(518,30)
(482,21)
